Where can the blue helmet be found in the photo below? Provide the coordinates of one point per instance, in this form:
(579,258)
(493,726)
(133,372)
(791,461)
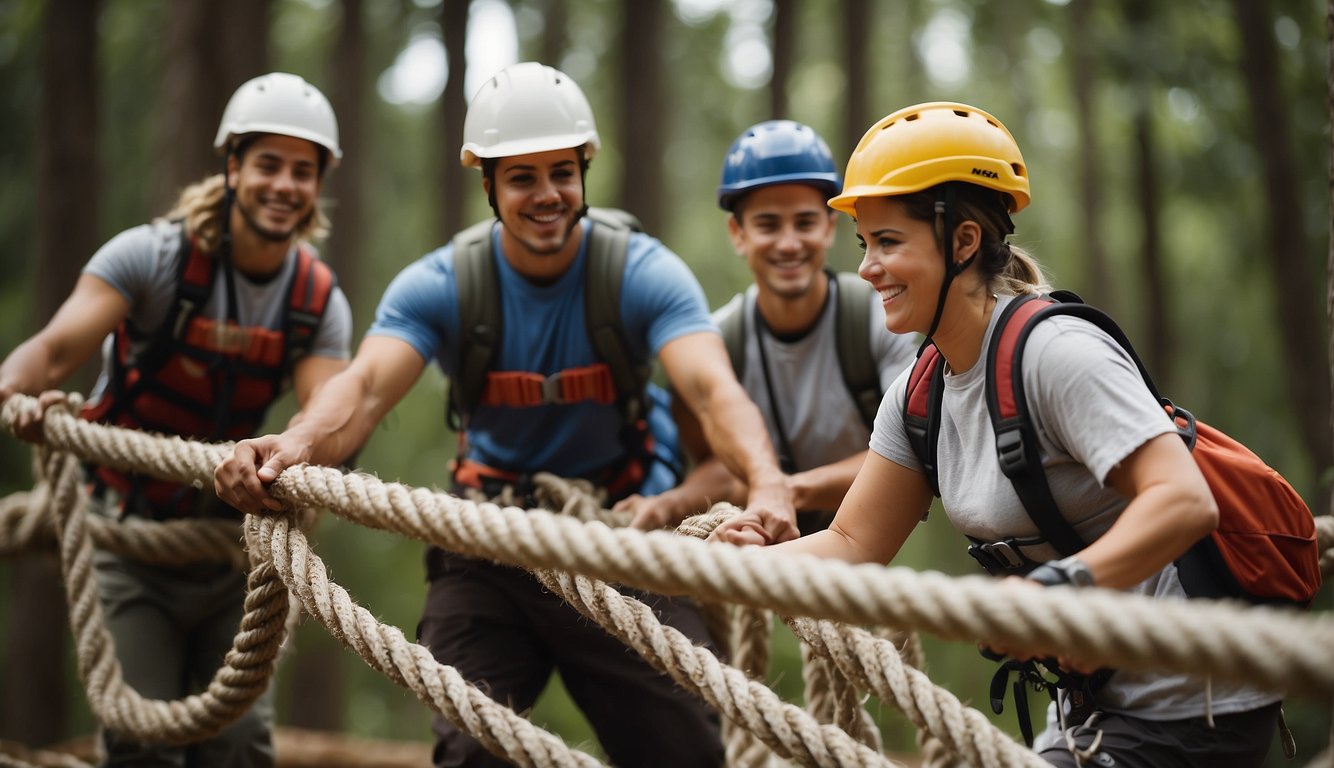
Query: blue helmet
(777,152)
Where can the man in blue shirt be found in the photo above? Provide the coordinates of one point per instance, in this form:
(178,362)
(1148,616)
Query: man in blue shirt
(531,132)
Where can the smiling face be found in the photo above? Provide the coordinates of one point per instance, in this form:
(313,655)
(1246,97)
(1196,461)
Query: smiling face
(538,198)
(784,231)
(276,182)
(902,262)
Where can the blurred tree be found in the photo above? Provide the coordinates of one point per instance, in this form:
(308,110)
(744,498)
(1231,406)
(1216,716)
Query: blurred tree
(34,708)
(1158,334)
(555,15)
(454,107)
(857,23)
(211,47)
(348,243)
(783,20)
(642,113)
(1307,376)
(1084,61)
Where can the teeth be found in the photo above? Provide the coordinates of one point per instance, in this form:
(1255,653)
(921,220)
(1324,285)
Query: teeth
(889,293)
(546,218)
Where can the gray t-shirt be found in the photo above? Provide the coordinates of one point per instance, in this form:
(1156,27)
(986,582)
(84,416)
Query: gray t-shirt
(143,263)
(822,423)
(1091,410)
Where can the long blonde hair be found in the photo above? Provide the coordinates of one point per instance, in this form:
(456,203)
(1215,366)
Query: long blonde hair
(200,207)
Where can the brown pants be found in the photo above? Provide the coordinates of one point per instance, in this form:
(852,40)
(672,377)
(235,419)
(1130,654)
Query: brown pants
(506,633)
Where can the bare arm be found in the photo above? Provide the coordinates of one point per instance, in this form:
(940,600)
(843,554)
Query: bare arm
(335,422)
(1171,507)
(311,373)
(880,510)
(825,486)
(41,363)
(708,483)
(702,375)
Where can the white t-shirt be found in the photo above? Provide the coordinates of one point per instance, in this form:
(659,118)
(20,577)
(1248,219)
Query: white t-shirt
(1091,410)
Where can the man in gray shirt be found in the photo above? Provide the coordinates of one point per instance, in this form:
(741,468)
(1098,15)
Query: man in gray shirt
(783,332)
(205,317)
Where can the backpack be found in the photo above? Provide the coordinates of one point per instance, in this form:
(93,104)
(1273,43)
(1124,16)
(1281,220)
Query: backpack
(1264,549)
(852,331)
(626,377)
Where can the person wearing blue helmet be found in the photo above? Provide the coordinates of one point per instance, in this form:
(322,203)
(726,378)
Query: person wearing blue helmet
(814,361)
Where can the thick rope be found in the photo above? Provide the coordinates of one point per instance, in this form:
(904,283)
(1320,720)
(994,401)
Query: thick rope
(787,730)
(1261,646)
(408,664)
(25,525)
(246,671)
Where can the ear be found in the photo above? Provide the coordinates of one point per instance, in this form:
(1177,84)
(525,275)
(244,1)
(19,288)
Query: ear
(233,168)
(486,185)
(736,232)
(967,239)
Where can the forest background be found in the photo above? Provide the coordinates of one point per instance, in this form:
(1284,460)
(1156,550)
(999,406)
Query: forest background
(1179,152)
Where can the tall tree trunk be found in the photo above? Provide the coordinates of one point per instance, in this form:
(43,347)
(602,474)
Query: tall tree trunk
(556,14)
(642,112)
(1098,280)
(1308,381)
(33,705)
(857,26)
(347,242)
(1157,336)
(784,43)
(454,106)
(212,46)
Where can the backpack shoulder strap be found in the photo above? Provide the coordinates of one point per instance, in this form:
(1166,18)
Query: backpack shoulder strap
(477,286)
(921,410)
(603,275)
(733,329)
(1017,446)
(853,334)
(312,284)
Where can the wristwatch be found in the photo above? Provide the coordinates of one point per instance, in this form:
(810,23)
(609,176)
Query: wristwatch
(1071,571)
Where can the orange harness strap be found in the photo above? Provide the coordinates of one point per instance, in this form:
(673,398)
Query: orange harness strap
(521,389)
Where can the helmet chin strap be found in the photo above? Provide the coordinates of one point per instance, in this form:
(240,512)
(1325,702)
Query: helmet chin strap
(945,217)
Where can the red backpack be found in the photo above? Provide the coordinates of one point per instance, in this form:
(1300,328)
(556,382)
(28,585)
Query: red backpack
(1264,549)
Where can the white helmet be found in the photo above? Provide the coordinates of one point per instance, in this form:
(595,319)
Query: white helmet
(527,107)
(283,104)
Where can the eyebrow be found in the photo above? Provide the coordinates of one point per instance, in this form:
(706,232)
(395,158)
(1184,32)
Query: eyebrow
(530,168)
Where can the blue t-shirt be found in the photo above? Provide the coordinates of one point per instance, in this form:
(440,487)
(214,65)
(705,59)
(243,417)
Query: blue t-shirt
(544,332)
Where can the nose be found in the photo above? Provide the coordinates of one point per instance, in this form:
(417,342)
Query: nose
(869,270)
(546,192)
(788,241)
(284,179)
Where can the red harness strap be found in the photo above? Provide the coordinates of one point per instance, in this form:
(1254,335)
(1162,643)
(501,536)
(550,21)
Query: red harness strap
(521,389)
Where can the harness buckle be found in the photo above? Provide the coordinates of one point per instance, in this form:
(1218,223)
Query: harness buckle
(999,556)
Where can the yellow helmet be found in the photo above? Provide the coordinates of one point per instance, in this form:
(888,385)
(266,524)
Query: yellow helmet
(921,146)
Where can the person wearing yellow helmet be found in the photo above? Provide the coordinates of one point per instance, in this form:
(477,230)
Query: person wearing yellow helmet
(932,188)
(205,317)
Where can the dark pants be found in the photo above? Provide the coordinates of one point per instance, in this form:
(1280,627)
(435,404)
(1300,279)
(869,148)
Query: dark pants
(1240,740)
(506,633)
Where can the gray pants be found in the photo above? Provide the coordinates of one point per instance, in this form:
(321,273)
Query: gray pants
(173,627)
